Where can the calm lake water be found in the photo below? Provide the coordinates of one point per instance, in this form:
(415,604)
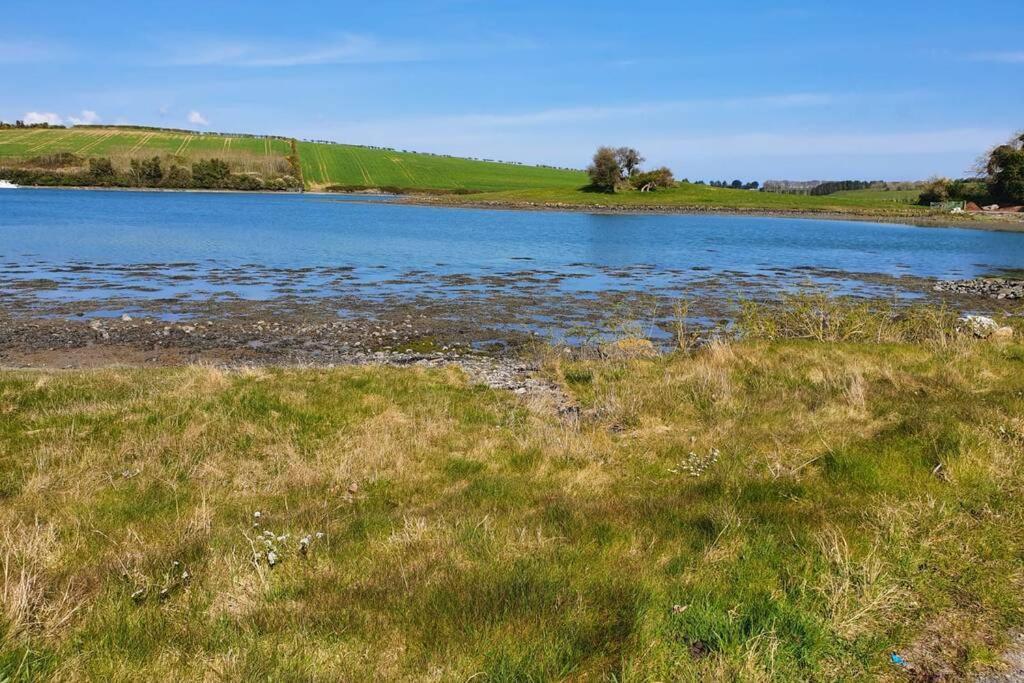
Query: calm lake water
(145,244)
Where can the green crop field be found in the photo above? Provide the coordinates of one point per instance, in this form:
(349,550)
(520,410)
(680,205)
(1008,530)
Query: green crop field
(329,164)
(323,165)
(21,144)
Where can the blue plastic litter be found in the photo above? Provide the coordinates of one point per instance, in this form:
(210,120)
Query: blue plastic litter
(897,660)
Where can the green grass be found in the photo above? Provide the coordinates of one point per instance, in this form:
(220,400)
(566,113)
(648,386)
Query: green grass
(865,499)
(897,196)
(690,196)
(324,165)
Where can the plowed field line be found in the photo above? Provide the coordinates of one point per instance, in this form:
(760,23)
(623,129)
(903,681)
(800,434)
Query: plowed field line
(142,142)
(47,143)
(183,145)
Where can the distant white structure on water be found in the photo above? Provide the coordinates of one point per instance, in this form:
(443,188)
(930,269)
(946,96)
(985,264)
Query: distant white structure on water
(7,185)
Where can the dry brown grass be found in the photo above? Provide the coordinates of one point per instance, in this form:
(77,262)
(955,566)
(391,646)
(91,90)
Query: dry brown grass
(750,510)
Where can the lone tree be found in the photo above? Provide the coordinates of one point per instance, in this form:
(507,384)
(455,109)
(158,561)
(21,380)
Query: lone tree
(605,171)
(616,168)
(1005,169)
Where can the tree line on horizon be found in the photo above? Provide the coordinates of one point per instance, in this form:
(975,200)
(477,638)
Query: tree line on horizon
(21,124)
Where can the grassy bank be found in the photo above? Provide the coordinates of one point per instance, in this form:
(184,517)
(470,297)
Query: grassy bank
(698,197)
(768,509)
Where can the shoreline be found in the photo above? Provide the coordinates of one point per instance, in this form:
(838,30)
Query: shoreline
(984,222)
(157,190)
(927,221)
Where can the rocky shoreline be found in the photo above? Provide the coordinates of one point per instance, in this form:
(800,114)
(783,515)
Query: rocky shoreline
(494,330)
(991,287)
(62,344)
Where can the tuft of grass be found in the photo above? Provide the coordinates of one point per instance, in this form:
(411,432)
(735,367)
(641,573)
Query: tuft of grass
(820,317)
(763,508)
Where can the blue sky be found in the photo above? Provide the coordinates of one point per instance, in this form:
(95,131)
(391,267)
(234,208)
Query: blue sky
(750,90)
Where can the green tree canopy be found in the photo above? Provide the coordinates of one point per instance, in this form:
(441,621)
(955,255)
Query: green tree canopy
(1005,169)
(605,170)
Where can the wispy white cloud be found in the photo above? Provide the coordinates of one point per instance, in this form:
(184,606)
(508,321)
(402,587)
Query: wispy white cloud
(49,117)
(87,117)
(197,119)
(347,48)
(823,144)
(1008,57)
(624,112)
(26,52)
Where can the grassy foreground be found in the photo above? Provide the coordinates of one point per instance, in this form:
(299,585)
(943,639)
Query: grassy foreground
(764,510)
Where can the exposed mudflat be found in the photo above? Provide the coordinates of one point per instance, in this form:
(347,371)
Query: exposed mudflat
(89,314)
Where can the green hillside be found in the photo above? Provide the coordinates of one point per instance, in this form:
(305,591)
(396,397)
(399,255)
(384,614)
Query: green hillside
(324,165)
(116,142)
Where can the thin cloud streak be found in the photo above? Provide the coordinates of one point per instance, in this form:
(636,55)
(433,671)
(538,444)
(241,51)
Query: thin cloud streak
(347,48)
(852,143)
(605,112)
(999,57)
(29,52)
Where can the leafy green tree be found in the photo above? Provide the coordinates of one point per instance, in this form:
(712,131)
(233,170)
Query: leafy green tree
(101,169)
(177,176)
(151,171)
(605,170)
(210,173)
(652,180)
(1005,169)
(937,190)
